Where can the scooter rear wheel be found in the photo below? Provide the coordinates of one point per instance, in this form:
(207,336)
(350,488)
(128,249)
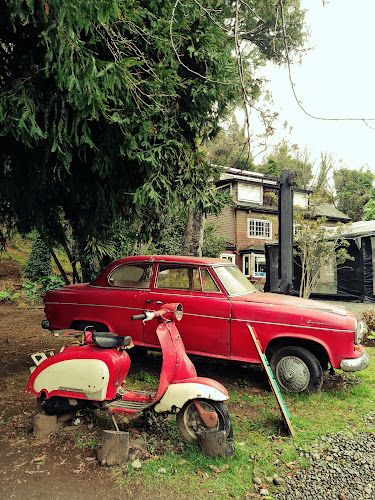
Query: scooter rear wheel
(190,425)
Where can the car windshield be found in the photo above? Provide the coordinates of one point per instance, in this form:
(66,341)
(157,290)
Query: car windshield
(233,280)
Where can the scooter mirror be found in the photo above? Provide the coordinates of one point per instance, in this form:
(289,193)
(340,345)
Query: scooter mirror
(179,312)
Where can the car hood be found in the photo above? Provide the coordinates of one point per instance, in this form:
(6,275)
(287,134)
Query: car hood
(273,299)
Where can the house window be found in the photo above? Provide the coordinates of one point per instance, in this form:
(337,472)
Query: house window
(259,229)
(229,256)
(248,192)
(225,187)
(254,265)
(300,200)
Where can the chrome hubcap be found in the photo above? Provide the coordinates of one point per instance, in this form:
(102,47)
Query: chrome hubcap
(292,374)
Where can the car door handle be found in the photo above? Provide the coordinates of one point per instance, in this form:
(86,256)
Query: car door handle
(154,302)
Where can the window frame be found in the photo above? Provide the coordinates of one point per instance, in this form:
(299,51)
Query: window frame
(266,223)
(260,188)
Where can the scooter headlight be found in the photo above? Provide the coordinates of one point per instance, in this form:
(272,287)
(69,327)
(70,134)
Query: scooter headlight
(178,312)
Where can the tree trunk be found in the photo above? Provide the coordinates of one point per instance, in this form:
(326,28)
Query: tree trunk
(73,263)
(114,448)
(194,233)
(57,262)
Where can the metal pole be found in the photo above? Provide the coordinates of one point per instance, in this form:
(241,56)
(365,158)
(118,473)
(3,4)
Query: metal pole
(286,233)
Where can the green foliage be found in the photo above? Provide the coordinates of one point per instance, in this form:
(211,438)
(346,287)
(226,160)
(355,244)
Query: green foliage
(8,295)
(213,244)
(289,156)
(316,247)
(34,291)
(145,377)
(230,147)
(86,442)
(103,106)
(39,262)
(354,189)
(369,208)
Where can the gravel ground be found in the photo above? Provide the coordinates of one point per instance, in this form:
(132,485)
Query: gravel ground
(341,466)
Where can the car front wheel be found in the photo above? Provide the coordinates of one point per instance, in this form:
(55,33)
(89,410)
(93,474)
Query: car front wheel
(296,370)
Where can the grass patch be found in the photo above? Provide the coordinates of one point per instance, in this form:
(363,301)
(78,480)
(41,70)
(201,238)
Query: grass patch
(263,447)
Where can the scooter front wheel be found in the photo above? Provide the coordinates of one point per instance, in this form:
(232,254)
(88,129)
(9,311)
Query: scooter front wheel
(190,424)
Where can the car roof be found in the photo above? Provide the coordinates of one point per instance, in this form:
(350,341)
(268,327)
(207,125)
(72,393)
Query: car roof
(178,259)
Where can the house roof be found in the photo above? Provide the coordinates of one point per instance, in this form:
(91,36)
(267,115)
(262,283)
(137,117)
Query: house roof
(253,248)
(331,213)
(256,207)
(359,229)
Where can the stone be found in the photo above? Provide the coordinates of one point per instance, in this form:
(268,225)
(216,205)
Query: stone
(264,492)
(44,425)
(277,481)
(257,480)
(162,470)
(137,465)
(61,419)
(214,444)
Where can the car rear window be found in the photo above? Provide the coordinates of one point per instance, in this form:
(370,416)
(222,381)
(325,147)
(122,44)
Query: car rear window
(131,276)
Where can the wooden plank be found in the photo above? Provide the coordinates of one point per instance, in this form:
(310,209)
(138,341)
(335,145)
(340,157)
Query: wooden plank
(273,383)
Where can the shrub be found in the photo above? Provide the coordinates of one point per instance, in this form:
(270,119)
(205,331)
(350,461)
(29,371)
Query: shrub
(8,295)
(39,263)
(368,316)
(34,291)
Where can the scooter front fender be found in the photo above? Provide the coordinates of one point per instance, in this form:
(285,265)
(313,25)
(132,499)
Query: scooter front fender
(181,391)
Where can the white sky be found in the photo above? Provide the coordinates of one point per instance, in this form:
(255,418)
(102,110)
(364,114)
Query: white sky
(335,80)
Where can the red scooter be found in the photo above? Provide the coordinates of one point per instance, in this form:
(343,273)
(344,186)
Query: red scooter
(92,373)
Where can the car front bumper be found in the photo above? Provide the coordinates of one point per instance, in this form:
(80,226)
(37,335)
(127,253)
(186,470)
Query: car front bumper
(355,364)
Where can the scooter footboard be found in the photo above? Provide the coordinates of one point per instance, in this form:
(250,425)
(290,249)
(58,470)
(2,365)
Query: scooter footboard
(181,391)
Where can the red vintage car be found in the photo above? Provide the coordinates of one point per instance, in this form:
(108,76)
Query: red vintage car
(300,337)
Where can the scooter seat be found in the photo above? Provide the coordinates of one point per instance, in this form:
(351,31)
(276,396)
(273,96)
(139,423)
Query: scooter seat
(108,340)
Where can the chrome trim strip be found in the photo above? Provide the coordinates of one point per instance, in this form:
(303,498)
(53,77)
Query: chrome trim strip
(223,297)
(203,316)
(324,309)
(293,326)
(90,305)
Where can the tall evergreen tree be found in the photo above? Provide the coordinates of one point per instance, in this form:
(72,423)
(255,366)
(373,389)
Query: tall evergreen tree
(103,105)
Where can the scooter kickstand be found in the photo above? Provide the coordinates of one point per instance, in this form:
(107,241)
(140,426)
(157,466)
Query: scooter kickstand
(114,421)
(209,417)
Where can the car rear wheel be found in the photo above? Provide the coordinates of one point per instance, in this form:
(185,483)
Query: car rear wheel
(296,370)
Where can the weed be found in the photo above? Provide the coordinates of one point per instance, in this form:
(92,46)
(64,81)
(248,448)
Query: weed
(86,442)
(8,295)
(143,376)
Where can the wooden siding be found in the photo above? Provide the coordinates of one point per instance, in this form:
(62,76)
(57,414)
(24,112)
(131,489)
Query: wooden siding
(225,224)
(242,240)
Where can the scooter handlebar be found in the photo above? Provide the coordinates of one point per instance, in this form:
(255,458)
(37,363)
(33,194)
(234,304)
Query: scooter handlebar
(139,316)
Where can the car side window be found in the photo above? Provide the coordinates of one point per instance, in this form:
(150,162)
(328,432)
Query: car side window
(131,276)
(178,278)
(208,283)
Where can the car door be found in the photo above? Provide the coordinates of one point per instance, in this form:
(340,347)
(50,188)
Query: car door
(205,326)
